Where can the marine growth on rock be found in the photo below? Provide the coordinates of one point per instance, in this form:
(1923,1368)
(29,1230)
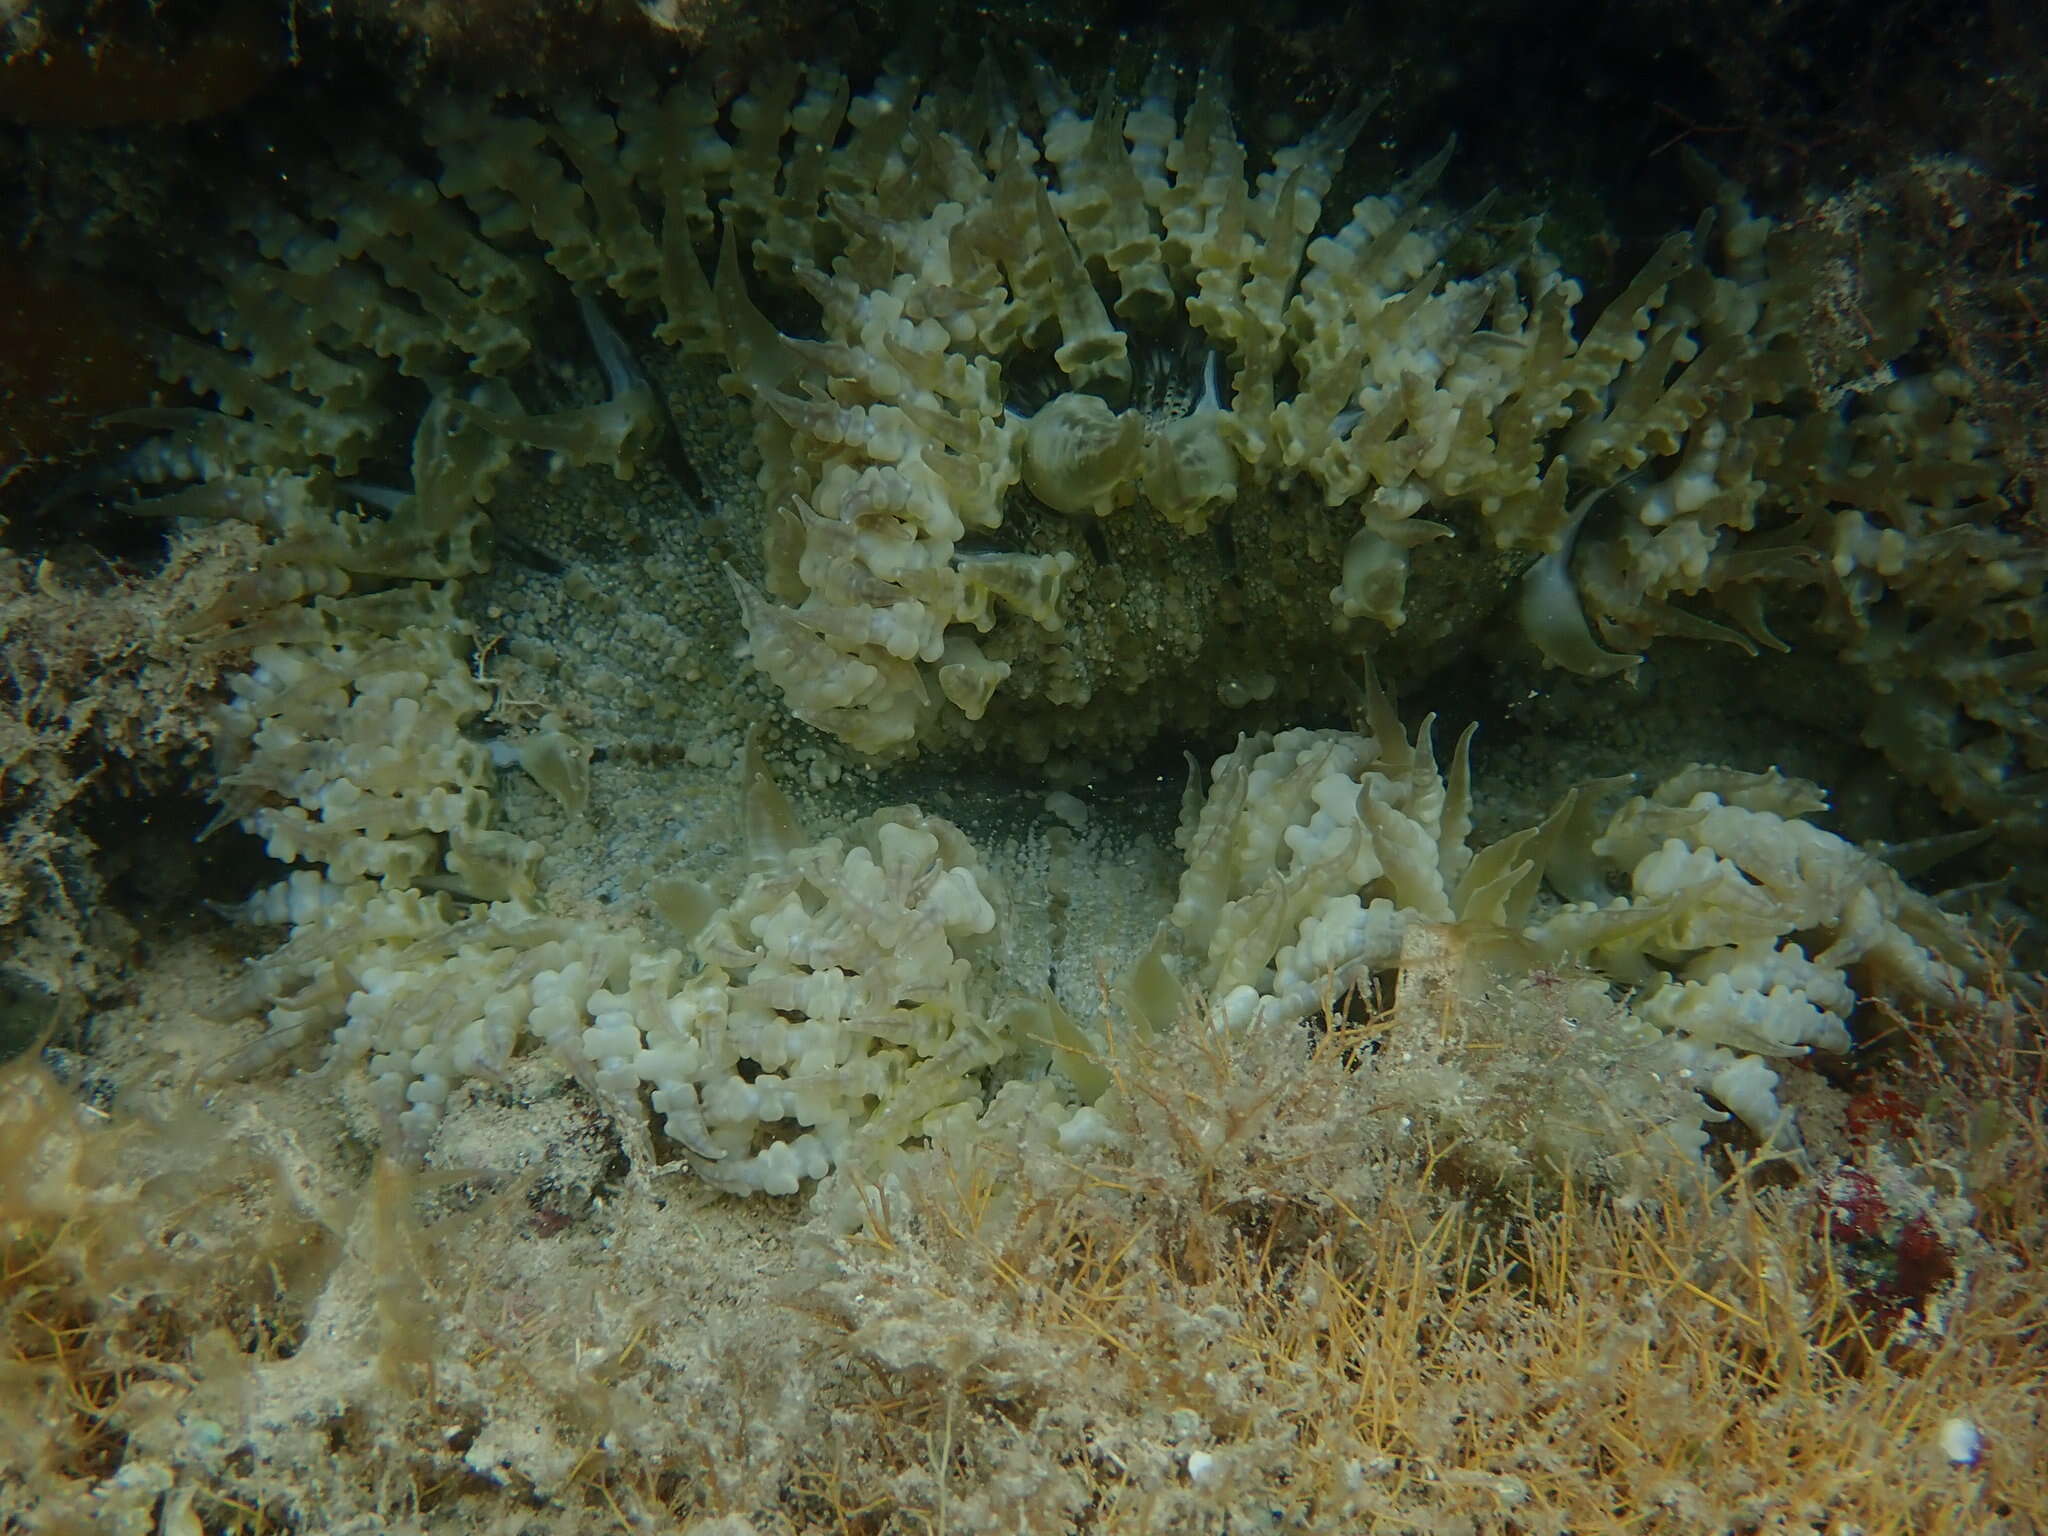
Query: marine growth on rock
(1072,421)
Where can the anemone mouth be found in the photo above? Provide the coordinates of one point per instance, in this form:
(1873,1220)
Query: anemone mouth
(1174,372)
(1095,447)
(1175,375)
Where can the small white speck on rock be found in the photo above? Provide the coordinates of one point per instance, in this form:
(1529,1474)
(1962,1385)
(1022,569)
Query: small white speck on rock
(1961,1442)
